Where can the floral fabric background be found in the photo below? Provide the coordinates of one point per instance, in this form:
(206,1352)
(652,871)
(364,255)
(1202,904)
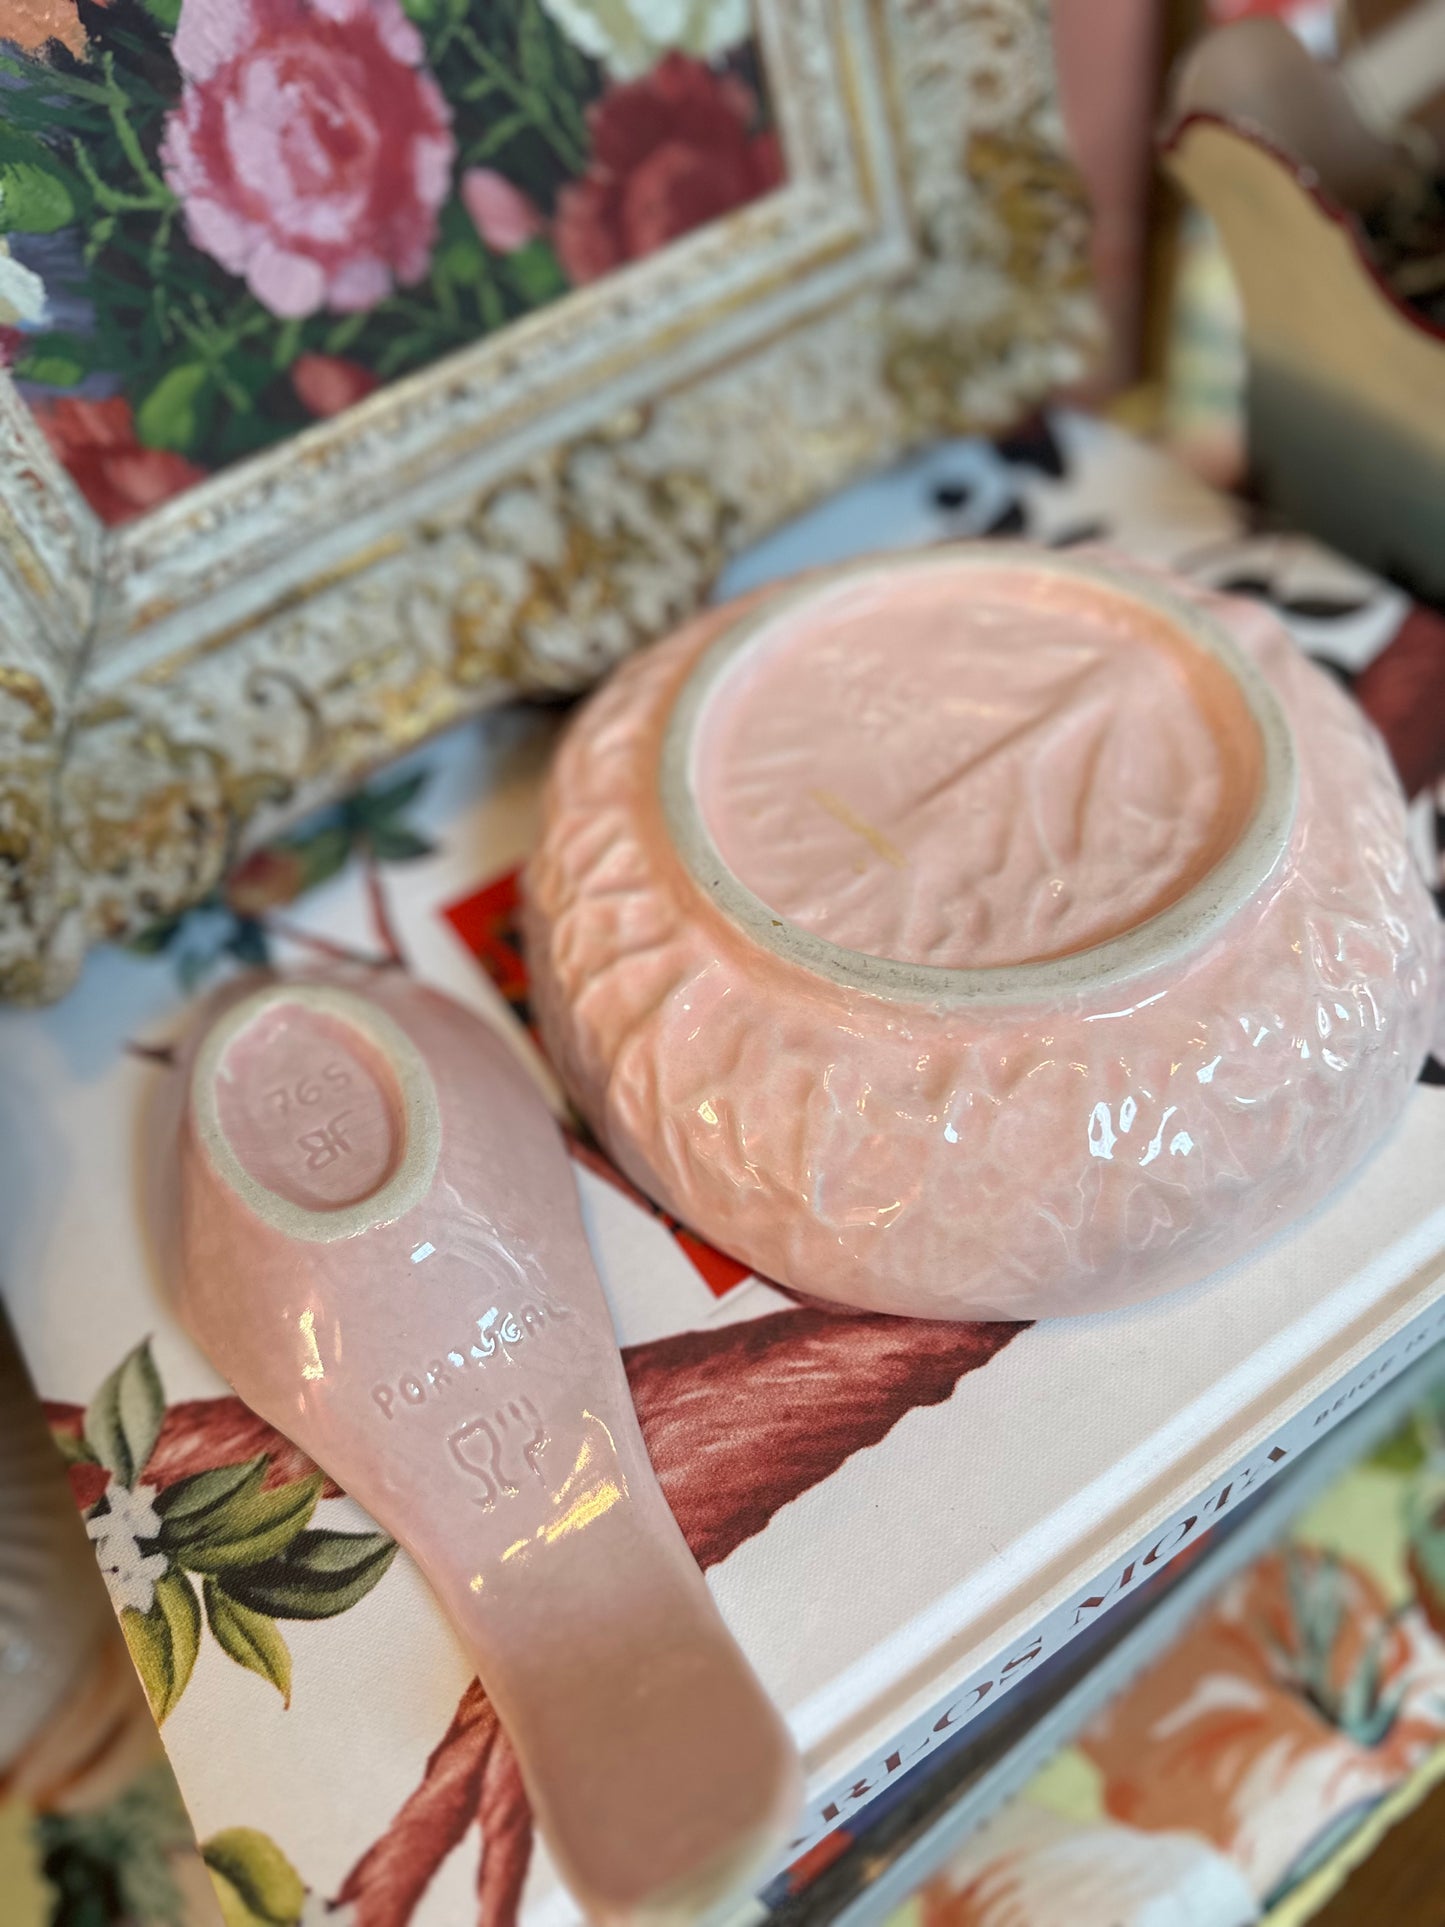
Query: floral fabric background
(1245,1773)
(221,220)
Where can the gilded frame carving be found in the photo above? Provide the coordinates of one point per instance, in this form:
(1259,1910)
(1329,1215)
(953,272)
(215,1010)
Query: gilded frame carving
(519,516)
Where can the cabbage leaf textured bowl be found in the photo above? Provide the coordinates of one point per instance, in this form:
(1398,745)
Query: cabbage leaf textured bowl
(983,933)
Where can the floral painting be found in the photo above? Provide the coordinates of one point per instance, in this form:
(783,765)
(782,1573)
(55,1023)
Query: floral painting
(222,220)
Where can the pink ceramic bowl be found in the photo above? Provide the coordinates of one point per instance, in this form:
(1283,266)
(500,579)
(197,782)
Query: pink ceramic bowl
(981,933)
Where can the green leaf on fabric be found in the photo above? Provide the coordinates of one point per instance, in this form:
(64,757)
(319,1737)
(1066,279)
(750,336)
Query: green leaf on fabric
(164,1642)
(155,937)
(174,414)
(250,1638)
(319,1575)
(1403,1451)
(322,854)
(72,1447)
(387,800)
(194,966)
(1425,1529)
(536,273)
(34,195)
(115,1861)
(185,1508)
(251,1527)
(398,846)
(252,1868)
(123,1420)
(248,945)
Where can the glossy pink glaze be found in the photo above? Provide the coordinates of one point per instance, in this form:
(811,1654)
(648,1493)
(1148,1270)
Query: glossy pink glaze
(450,1360)
(933,1156)
(972,780)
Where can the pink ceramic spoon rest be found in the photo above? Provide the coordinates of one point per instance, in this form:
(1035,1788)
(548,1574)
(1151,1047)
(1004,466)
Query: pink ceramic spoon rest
(374,1234)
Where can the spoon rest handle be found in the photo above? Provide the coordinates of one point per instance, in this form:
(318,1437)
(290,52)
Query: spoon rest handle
(375,1234)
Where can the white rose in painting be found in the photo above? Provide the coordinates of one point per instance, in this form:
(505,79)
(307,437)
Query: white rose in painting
(629,37)
(22,292)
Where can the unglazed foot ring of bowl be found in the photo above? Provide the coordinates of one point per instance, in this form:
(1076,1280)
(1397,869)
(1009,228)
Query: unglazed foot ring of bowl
(1225,1014)
(373,1229)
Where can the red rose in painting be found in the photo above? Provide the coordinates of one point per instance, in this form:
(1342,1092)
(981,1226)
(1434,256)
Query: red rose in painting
(327,384)
(96,441)
(311,150)
(669,153)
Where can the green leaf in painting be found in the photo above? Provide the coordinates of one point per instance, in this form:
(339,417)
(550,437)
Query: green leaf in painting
(250,1638)
(174,413)
(164,1642)
(53,371)
(461,262)
(251,1527)
(165,13)
(55,357)
(319,1575)
(250,1866)
(536,273)
(534,49)
(499,131)
(34,197)
(124,1418)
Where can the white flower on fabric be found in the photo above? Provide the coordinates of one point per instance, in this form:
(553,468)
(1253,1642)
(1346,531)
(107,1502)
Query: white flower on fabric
(130,1573)
(22,292)
(629,37)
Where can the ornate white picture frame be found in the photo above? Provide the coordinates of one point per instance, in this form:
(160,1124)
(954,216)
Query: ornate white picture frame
(516,517)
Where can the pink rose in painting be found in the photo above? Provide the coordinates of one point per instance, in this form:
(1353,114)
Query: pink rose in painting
(501,213)
(669,153)
(326,384)
(311,150)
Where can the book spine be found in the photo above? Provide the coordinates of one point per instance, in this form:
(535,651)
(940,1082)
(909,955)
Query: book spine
(842,1802)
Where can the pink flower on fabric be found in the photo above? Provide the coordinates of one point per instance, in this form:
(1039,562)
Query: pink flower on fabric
(311,150)
(501,213)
